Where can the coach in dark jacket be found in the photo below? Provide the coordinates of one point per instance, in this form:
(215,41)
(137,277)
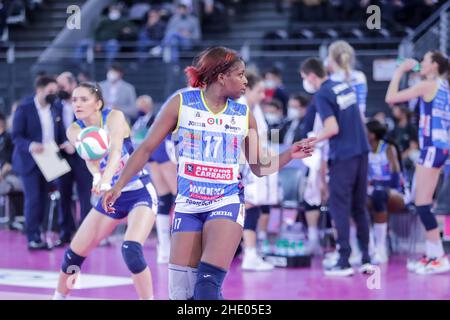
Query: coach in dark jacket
(36,122)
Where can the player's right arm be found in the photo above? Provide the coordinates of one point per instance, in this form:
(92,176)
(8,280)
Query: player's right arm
(165,122)
(72,135)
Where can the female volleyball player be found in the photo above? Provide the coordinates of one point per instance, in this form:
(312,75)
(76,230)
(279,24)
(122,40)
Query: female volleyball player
(341,60)
(384,185)
(137,202)
(163,175)
(257,190)
(433,92)
(209,212)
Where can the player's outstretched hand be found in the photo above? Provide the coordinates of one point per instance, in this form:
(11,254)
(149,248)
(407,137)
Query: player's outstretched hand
(109,198)
(303,148)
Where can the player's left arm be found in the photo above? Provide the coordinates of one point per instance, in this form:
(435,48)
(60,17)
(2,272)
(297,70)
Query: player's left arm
(263,166)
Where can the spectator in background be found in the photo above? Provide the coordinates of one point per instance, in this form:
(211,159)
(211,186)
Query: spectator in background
(151,35)
(4,8)
(108,33)
(79,173)
(292,128)
(9,182)
(36,122)
(9,119)
(213,16)
(119,94)
(181,33)
(405,136)
(275,88)
(273,112)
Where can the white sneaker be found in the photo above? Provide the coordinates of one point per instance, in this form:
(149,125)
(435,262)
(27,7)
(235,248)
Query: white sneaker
(162,254)
(434,266)
(253,262)
(367,268)
(331,258)
(413,265)
(355,258)
(339,271)
(380,257)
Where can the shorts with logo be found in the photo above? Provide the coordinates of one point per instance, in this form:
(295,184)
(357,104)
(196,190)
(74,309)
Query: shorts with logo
(432,157)
(129,200)
(193,222)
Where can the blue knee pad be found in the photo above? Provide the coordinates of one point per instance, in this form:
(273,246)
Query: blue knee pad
(133,256)
(209,282)
(427,217)
(165,203)
(379,200)
(251,218)
(71,262)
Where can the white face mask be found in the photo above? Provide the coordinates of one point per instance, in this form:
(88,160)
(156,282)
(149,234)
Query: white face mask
(270,84)
(308,87)
(272,118)
(114,15)
(293,113)
(112,76)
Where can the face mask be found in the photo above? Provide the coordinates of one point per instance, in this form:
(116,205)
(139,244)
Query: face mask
(50,98)
(63,95)
(114,15)
(183,16)
(270,84)
(293,113)
(112,76)
(308,87)
(272,118)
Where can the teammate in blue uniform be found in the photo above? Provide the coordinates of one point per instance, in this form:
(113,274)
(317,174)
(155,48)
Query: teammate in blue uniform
(137,203)
(384,185)
(163,175)
(341,60)
(209,213)
(434,125)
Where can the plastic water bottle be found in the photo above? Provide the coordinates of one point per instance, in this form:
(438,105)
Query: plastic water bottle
(415,69)
(266,248)
(300,248)
(291,251)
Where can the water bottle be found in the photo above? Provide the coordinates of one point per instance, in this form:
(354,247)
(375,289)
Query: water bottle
(300,248)
(266,249)
(291,251)
(415,69)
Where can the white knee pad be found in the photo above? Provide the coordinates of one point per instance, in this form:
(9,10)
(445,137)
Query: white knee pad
(181,282)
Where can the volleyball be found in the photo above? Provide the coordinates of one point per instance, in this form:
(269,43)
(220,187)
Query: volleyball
(93,143)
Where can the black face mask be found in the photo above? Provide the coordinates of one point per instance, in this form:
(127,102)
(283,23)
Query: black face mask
(50,98)
(183,16)
(63,95)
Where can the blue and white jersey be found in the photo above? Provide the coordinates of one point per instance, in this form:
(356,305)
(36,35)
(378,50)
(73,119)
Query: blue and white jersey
(357,80)
(434,123)
(209,150)
(379,168)
(127,149)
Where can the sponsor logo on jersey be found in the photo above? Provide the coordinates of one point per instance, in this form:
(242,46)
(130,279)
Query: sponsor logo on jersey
(209,172)
(197,114)
(221,213)
(205,193)
(233,120)
(196,124)
(212,121)
(231,128)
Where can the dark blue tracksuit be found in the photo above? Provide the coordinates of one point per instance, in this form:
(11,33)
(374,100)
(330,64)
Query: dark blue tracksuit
(348,165)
